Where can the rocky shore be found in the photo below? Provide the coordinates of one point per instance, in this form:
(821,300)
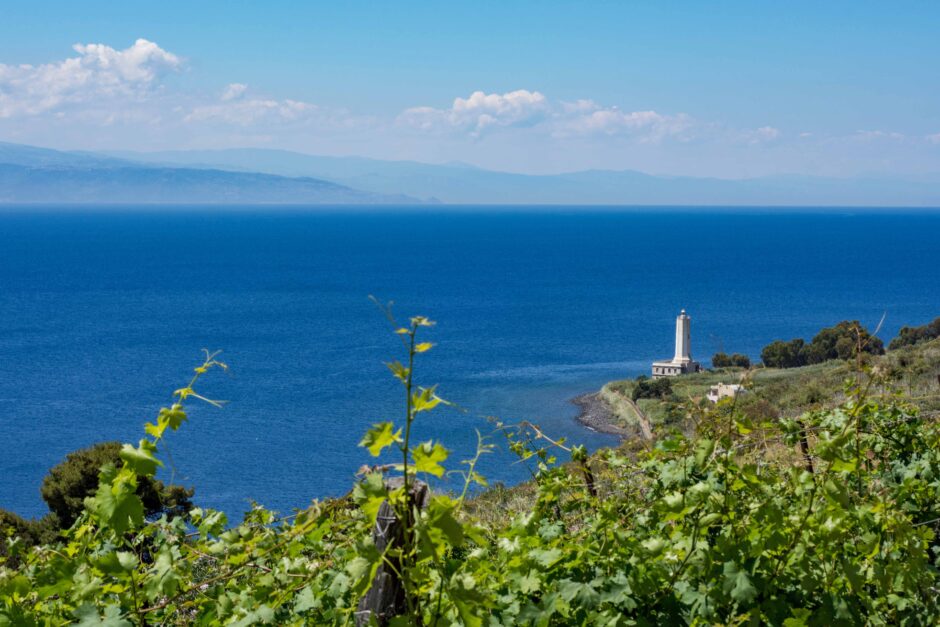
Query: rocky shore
(597,416)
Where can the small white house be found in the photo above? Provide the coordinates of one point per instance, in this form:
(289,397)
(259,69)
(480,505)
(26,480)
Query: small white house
(723,390)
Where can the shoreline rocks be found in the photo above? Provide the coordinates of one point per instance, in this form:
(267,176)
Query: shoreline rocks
(597,416)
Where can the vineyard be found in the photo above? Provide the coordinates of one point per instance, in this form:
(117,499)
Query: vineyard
(828,518)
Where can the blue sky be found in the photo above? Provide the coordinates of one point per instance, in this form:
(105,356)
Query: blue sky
(725,89)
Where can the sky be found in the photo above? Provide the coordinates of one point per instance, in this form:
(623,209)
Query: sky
(725,89)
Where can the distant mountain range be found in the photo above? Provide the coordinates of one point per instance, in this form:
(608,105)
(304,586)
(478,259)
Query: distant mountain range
(29,174)
(38,175)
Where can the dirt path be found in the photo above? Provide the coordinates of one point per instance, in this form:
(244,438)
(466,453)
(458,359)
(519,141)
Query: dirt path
(642,419)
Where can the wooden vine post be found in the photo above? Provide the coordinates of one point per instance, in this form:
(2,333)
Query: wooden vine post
(804,447)
(385,598)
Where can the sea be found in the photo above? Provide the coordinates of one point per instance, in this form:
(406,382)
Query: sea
(105,312)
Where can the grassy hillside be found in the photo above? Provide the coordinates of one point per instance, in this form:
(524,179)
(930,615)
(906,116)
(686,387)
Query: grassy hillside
(777,392)
(772,393)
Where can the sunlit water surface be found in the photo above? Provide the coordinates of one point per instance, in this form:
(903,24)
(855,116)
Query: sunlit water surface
(103,314)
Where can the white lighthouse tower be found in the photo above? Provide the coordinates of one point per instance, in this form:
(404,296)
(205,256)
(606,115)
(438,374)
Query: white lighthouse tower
(683,328)
(682,362)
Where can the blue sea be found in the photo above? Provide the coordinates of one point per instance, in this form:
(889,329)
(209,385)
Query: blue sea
(104,313)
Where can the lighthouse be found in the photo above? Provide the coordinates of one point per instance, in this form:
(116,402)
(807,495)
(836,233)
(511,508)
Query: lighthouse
(682,362)
(683,330)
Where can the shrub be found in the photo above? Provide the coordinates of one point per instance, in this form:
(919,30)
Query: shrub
(758,410)
(780,354)
(721,360)
(737,360)
(18,534)
(840,341)
(813,394)
(651,388)
(14,533)
(75,478)
(908,336)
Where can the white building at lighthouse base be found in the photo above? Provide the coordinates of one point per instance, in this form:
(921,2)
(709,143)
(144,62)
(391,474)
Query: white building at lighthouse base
(682,362)
(671,368)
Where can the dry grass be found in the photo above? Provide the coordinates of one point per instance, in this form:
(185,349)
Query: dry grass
(494,506)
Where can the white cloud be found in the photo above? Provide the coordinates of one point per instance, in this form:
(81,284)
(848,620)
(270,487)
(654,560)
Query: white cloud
(762,134)
(239,106)
(585,117)
(234,90)
(510,109)
(126,92)
(877,135)
(933,139)
(482,112)
(237,110)
(100,73)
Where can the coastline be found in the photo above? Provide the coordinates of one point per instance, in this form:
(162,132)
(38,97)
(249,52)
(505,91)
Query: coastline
(596,415)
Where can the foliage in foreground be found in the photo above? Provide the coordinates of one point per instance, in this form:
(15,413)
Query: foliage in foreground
(68,483)
(826,520)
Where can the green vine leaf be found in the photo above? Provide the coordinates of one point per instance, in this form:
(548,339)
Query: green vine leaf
(399,370)
(738,584)
(117,562)
(427,457)
(116,503)
(87,616)
(425,400)
(369,494)
(141,459)
(379,437)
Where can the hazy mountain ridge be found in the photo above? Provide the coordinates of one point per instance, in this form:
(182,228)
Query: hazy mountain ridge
(37,175)
(463,183)
(252,175)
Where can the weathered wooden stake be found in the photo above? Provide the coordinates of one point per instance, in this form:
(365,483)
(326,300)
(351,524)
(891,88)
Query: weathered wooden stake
(385,598)
(804,447)
(588,478)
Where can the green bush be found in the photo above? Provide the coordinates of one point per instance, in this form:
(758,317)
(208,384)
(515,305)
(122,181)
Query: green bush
(840,341)
(909,336)
(737,360)
(651,388)
(70,482)
(721,360)
(75,478)
(18,534)
(780,354)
